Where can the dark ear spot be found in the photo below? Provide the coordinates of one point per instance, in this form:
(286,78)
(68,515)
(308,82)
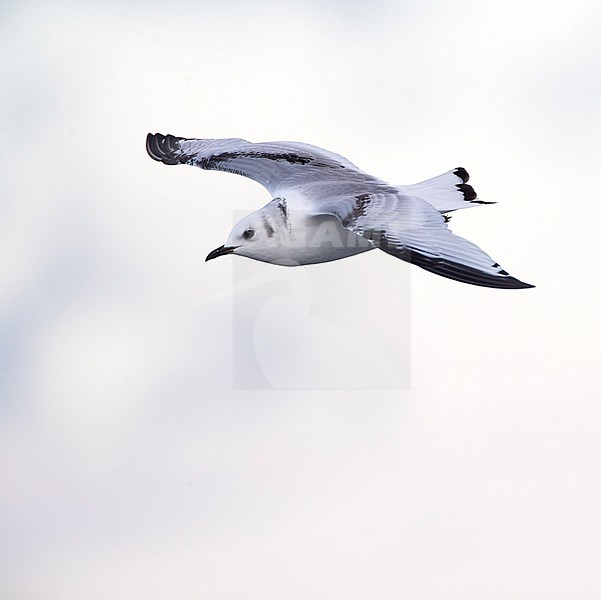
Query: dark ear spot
(283,206)
(268,228)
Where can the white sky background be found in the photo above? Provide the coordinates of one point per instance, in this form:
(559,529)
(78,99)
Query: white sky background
(131,469)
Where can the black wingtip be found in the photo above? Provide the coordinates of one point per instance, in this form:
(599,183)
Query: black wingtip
(475,277)
(511,283)
(152,146)
(458,271)
(164,148)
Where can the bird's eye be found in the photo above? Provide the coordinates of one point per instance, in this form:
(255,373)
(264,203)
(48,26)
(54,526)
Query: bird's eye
(248,234)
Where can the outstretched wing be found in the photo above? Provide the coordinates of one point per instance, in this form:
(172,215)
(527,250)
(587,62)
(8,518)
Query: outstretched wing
(275,165)
(411,229)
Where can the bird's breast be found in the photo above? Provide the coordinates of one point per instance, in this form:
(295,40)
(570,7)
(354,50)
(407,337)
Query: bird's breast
(316,239)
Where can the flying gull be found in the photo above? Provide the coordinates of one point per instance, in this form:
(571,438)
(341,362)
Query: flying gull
(325,208)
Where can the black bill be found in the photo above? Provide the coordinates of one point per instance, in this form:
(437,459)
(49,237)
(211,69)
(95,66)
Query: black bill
(221,251)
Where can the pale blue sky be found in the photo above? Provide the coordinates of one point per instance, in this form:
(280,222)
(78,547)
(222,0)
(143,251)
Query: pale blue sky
(132,468)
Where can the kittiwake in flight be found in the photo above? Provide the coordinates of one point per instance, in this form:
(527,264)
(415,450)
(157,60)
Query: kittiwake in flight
(325,208)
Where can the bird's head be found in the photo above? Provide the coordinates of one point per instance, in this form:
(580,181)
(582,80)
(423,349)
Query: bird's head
(258,235)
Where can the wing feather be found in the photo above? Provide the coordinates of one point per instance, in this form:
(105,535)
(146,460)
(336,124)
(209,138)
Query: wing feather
(275,165)
(411,229)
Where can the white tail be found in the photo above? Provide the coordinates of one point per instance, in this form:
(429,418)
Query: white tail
(446,192)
